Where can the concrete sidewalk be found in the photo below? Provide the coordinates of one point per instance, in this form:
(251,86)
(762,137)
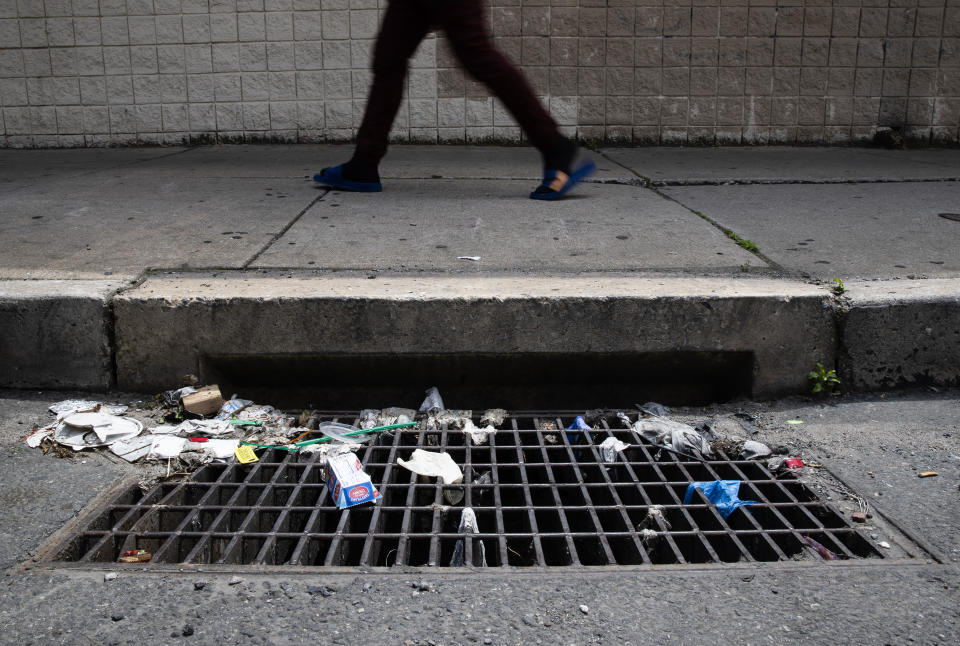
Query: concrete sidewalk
(131,267)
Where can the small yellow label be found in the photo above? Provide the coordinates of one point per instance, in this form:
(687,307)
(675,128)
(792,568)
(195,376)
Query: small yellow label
(245,454)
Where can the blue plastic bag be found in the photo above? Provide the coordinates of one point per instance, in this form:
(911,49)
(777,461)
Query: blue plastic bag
(579,424)
(725,494)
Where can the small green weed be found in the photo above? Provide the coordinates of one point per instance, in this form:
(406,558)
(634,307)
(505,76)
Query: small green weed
(822,381)
(749,245)
(838,289)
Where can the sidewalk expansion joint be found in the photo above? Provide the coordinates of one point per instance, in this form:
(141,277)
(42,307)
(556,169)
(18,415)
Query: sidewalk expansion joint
(745,244)
(284,230)
(666,183)
(645,181)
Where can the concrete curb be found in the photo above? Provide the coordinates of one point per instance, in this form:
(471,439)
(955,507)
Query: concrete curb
(901,333)
(168,325)
(82,334)
(56,333)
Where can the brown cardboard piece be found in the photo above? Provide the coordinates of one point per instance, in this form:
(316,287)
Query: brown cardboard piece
(206,401)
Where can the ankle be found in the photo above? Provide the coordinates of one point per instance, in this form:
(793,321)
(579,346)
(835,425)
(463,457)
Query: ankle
(560,155)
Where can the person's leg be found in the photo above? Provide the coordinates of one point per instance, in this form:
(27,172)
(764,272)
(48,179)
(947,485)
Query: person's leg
(464,23)
(404,26)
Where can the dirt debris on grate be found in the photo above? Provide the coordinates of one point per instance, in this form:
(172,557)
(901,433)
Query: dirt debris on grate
(542,497)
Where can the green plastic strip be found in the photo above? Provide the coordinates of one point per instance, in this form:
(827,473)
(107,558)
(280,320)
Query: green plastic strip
(362,431)
(268,446)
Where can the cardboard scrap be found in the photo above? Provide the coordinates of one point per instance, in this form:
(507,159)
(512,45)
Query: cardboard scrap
(206,401)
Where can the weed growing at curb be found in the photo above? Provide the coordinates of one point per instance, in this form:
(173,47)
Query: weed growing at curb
(822,381)
(838,289)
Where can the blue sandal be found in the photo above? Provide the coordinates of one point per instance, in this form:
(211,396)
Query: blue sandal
(556,183)
(333,177)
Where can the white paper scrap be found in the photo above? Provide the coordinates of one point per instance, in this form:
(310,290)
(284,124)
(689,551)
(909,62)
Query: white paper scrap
(34,440)
(166,446)
(205,426)
(473,258)
(133,449)
(70,406)
(221,449)
(165,429)
(478,436)
(433,465)
(104,426)
(610,447)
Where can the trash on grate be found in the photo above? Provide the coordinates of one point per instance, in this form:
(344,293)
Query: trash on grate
(533,502)
(494,417)
(752,450)
(245,455)
(579,424)
(673,436)
(478,436)
(371,418)
(653,409)
(220,449)
(724,494)
(468,525)
(654,519)
(348,483)
(135,556)
(826,554)
(540,489)
(330,430)
(433,403)
(793,463)
(610,447)
(433,465)
(193,427)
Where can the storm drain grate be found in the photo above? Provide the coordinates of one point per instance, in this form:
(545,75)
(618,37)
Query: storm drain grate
(542,497)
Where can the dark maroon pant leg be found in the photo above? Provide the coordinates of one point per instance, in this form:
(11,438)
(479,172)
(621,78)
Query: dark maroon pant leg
(405,24)
(464,22)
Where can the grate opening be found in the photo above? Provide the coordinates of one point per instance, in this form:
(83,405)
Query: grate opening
(514,380)
(542,497)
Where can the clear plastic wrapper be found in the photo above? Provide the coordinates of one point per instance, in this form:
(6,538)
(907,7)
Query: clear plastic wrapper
(468,526)
(433,402)
(336,432)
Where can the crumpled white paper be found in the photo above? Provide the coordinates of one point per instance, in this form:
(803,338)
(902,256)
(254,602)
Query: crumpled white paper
(221,449)
(433,465)
(194,426)
(610,447)
(478,436)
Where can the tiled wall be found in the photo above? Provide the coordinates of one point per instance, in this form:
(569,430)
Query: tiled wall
(101,72)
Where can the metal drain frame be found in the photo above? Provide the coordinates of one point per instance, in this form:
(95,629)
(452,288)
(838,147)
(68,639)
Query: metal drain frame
(550,501)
